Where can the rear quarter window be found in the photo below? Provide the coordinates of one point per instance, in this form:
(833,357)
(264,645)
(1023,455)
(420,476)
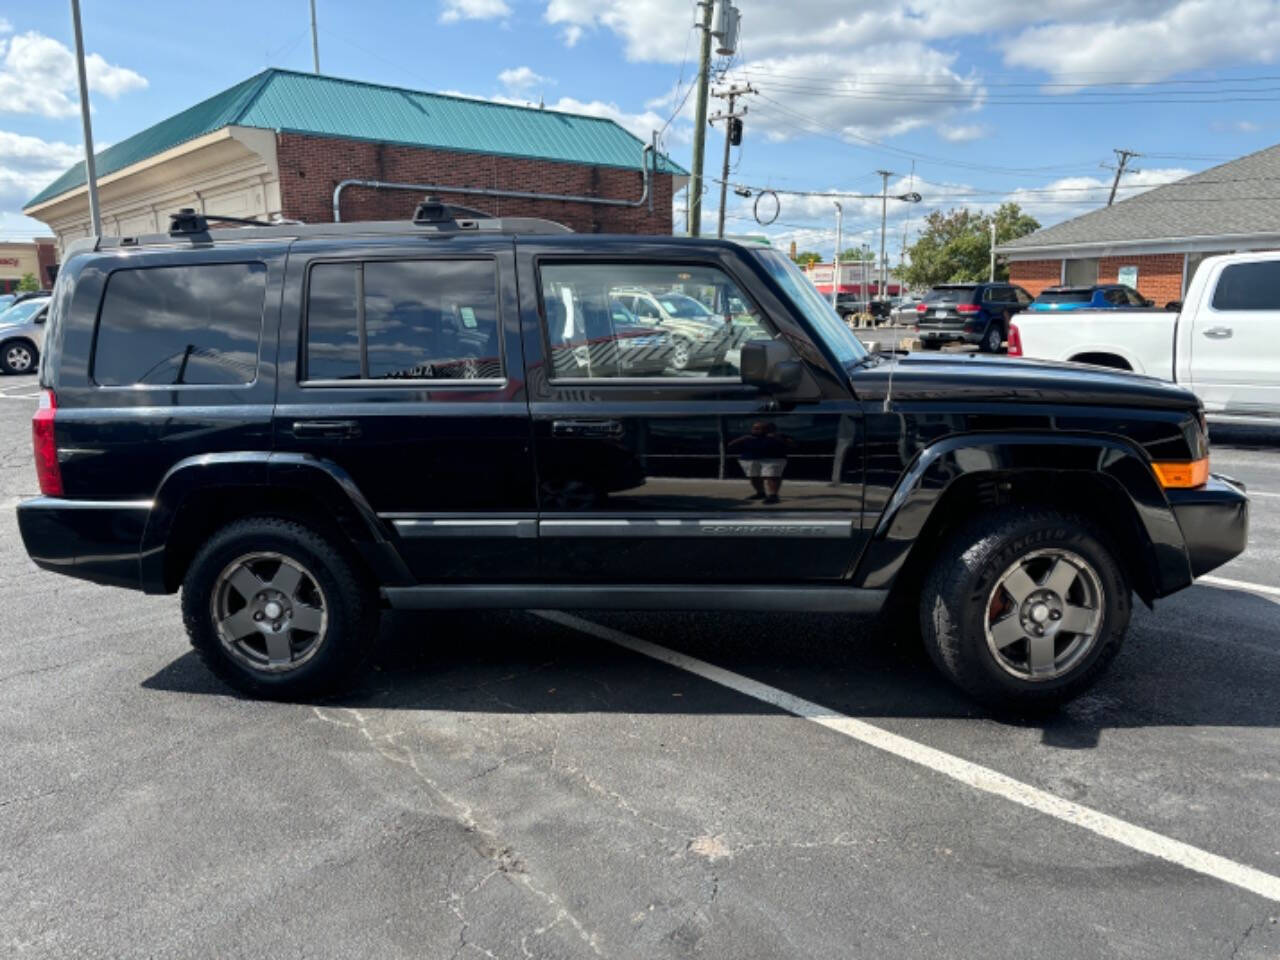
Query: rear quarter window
(198,324)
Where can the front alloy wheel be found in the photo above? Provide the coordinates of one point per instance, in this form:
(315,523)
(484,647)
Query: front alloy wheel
(1024,605)
(1044,614)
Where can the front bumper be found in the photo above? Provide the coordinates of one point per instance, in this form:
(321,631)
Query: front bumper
(96,540)
(1214,520)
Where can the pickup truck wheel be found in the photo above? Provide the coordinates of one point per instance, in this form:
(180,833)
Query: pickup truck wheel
(276,611)
(1025,607)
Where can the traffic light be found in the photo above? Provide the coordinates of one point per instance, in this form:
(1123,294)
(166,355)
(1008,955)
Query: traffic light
(735,132)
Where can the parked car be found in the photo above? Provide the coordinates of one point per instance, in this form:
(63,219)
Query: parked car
(228,413)
(1103,296)
(6,300)
(22,327)
(699,337)
(904,312)
(969,313)
(1222,343)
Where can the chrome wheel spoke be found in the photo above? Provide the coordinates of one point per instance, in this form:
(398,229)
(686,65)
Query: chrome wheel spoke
(239,625)
(1007,631)
(245,582)
(307,618)
(1061,576)
(1077,619)
(278,647)
(1040,655)
(1019,585)
(286,579)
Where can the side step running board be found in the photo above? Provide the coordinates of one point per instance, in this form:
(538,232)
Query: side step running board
(539,596)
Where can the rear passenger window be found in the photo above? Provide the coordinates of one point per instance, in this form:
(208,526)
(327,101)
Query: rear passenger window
(1249,286)
(403,320)
(180,325)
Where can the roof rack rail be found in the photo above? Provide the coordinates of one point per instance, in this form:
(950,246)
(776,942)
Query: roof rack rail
(186,221)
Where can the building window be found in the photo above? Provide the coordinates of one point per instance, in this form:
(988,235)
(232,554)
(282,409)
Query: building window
(1081,273)
(180,325)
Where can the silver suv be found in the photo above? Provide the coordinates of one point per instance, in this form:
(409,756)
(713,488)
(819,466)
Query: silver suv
(22,335)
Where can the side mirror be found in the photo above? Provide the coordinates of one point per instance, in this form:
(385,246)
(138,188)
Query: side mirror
(1149,303)
(770,365)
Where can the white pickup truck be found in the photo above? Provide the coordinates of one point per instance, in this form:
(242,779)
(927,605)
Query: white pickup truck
(1224,344)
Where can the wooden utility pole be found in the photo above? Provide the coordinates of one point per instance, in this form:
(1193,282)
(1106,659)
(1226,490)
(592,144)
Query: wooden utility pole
(732,137)
(700,123)
(1122,157)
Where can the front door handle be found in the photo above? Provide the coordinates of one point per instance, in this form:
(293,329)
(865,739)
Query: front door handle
(586,428)
(332,429)
(1218,333)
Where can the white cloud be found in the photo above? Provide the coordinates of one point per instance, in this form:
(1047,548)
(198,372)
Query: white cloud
(38,75)
(1069,197)
(5,26)
(571,35)
(1153,44)
(960,133)
(522,79)
(1235,126)
(640,124)
(29,164)
(455,10)
(854,100)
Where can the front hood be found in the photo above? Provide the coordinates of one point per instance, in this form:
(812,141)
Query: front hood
(979,378)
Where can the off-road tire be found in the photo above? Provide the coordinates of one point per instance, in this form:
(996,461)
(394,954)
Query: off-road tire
(350,600)
(955,595)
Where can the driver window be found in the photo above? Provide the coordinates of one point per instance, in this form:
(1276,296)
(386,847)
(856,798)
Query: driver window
(648,320)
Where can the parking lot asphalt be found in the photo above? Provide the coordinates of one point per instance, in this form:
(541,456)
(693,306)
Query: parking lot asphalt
(520,785)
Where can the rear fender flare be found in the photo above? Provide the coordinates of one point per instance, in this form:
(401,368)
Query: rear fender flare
(325,482)
(926,481)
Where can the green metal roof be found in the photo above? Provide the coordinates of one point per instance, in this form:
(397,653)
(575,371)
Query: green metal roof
(330,107)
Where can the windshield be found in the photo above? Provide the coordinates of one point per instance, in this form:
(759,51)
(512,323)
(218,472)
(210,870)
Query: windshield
(24,311)
(826,323)
(679,305)
(1065,296)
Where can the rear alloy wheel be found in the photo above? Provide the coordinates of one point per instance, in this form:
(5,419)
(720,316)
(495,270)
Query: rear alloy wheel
(1024,606)
(277,611)
(993,340)
(18,356)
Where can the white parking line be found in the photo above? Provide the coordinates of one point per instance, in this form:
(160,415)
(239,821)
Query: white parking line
(1261,493)
(963,771)
(1241,585)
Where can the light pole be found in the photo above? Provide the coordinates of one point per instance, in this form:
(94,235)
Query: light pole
(315,40)
(90,170)
(835,260)
(992,277)
(884,213)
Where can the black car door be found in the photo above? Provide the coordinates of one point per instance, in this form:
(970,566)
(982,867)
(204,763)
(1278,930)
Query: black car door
(401,365)
(679,473)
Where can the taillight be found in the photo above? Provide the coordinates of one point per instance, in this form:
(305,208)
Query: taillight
(921,307)
(46,446)
(1015,341)
(967,308)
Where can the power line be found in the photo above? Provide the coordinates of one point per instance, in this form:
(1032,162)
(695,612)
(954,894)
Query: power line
(914,81)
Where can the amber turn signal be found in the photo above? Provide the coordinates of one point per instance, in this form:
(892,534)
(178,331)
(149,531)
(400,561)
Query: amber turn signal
(1179,476)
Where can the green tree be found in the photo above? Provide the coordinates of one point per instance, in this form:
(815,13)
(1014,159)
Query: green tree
(853,255)
(806,257)
(955,247)
(28,283)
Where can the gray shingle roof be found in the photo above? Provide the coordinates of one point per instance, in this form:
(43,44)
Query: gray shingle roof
(1239,198)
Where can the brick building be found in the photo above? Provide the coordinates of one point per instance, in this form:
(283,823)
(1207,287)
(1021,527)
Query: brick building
(279,143)
(18,258)
(1157,239)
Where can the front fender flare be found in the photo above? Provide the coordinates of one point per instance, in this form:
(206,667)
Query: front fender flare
(940,465)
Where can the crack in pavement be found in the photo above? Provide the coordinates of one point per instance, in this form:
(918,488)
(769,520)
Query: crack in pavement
(508,863)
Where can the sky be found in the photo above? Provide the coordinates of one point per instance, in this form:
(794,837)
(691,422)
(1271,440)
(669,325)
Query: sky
(968,102)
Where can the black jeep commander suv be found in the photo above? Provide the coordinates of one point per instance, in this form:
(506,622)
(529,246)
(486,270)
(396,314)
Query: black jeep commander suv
(298,426)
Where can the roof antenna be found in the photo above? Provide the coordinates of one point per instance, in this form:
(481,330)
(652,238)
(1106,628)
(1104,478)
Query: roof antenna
(888,393)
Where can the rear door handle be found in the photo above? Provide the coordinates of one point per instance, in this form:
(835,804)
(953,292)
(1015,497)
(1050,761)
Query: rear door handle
(334,429)
(1218,333)
(586,428)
